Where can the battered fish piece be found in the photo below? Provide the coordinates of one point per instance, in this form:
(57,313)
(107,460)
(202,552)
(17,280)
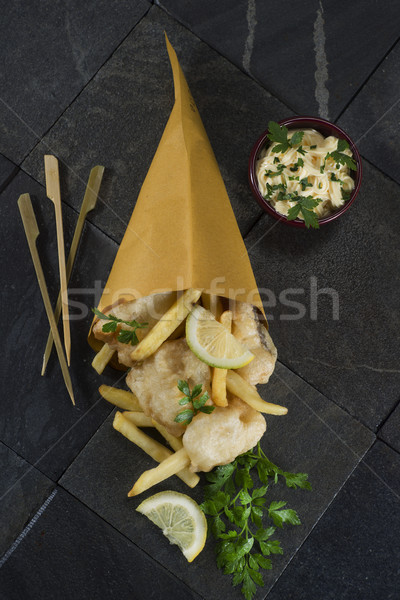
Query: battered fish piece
(218,438)
(154,382)
(149,310)
(248,329)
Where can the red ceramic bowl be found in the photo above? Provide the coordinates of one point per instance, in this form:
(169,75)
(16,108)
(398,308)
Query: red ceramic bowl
(326,129)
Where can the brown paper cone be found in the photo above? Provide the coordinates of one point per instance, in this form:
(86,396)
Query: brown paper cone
(183,232)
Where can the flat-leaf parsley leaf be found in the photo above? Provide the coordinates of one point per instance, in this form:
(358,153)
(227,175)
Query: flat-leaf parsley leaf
(125,336)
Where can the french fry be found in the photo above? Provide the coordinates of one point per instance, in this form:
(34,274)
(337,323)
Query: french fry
(166,325)
(171,466)
(138,418)
(175,443)
(121,398)
(102,358)
(212,303)
(218,385)
(243,390)
(153,448)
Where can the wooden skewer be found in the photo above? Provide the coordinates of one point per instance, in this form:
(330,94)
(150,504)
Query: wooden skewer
(88,204)
(53,192)
(32,232)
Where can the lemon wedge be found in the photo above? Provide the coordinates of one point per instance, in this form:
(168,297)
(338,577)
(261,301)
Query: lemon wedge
(212,343)
(180,518)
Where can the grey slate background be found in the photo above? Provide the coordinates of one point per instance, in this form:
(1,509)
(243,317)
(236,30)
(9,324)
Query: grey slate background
(91,83)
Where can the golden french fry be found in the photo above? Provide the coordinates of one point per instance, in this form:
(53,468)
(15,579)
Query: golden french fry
(102,358)
(166,325)
(153,448)
(243,390)
(175,442)
(212,303)
(138,418)
(171,466)
(218,385)
(120,398)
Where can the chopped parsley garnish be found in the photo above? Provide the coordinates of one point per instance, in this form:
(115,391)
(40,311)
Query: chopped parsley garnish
(346,195)
(305,183)
(301,150)
(125,336)
(273,188)
(313,147)
(269,173)
(334,178)
(193,398)
(299,163)
(240,519)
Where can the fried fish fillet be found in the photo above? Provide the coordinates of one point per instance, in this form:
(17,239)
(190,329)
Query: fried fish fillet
(248,329)
(149,310)
(154,382)
(218,438)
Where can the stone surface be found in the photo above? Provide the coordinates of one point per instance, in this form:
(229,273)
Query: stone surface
(38,420)
(22,491)
(352,358)
(352,553)
(50,50)
(373,117)
(280,46)
(390,430)
(119,118)
(7,171)
(314,431)
(70,553)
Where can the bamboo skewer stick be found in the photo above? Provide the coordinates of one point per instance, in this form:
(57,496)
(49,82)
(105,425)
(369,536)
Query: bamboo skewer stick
(53,192)
(88,204)
(32,232)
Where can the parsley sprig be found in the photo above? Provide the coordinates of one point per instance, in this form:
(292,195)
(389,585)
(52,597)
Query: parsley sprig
(279,135)
(304,205)
(192,397)
(340,157)
(237,511)
(125,336)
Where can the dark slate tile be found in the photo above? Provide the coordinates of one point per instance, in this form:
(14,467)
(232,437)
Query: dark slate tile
(22,491)
(38,419)
(373,117)
(390,431)
(71,554)
(314,431)
(352,553)
(119,118)
(7,171)
(50,50)
(313,56)
(349,354)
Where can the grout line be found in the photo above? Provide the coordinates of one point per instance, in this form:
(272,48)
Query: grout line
(42,136)
(238,67)
(344,409)
(27,529)
(364,83)
(114,528)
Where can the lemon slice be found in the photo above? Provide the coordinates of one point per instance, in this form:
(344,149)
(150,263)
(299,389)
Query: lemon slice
(180,519)
(212,343)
